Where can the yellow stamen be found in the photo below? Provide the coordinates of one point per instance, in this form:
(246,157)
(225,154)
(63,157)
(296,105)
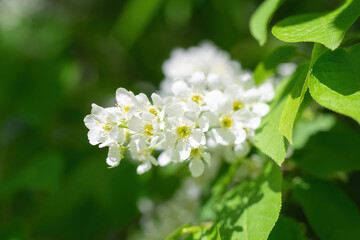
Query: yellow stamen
(183,131)
(148,130)
(196,98)
(226,122)
(237,105)
(153,111)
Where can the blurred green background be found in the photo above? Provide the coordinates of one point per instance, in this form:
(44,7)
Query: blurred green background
(58,57)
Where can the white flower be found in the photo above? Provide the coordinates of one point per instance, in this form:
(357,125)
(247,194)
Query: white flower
(181,137)
(141,150)
(105,126)
(205,58)
(197,159)
(115,154)
(211,104)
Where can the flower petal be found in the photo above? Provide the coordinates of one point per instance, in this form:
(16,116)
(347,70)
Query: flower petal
(184,149)
(196,167)
(164,159)
(142,168)
(241,150)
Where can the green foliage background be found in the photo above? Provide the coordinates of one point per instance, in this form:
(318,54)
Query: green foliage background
(65,55)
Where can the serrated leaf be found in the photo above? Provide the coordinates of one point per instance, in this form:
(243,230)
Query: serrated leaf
(331,214)
(327,153)
(249,211)
(268,137)
(335,81)
(267,67)
(261,18)
(326,28)
(287,229)
(292,109)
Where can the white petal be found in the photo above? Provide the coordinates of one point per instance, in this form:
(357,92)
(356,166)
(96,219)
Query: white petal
(241,150)
(212,99)
(135,124)
(223,137)
(267,92)
(142,168)
(142,101)
(261,109)
(124,97)
(252,95)
(157,101)
(174,109)
(184,149)
(240,135)
(180,89)
(90,121)
(114,156)
(96,110)
(207,120)
(169,140)
(207,158)
(213,81)
(191,115)
(94,136)
(197,138)
(286,69)
(164,159)
(198,81)
(196,167)
(229,155)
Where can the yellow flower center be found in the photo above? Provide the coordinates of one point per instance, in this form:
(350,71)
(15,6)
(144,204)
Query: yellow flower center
(126,108)
(237,105)
(183,131)
(107,127)
(226,122)
(148,129)
(197,98)
(195,152)
(153,111)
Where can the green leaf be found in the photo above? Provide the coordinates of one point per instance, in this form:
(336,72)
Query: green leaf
(326,28)
(249,211)
(335,81)
(287,228)
(329,152)
(331,214)
(267,67)
(288,115)
(268,137)
(292,107)
(178,232)
(307,128)
(261,18)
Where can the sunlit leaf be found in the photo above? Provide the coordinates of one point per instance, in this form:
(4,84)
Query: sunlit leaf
(292,107)
(261,18)
(335,81)
(326,28)
(249,210)
(268,137)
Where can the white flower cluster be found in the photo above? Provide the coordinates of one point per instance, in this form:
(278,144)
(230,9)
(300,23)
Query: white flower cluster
(211,102)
